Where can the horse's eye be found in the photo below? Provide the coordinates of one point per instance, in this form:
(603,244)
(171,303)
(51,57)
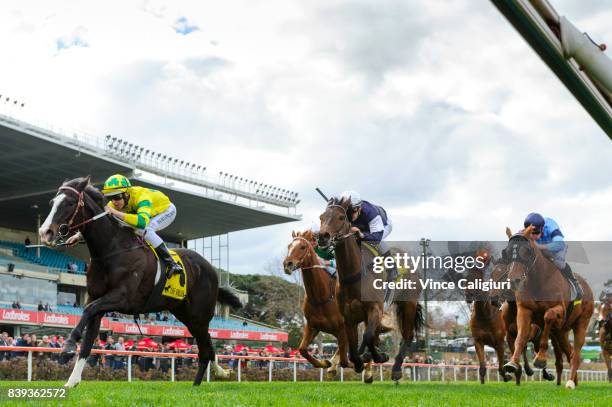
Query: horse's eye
(342,217)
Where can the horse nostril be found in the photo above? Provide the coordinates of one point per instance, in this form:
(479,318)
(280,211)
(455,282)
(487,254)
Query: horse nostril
(289,264)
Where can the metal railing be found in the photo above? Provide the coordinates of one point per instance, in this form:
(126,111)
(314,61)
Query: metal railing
(412,371)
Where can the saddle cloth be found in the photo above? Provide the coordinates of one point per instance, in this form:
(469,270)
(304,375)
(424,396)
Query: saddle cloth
(173,287)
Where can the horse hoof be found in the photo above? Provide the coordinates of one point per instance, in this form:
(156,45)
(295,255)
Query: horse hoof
(382,358)
(506,378)
(358,366)
(540,363)
(547,376)
(570,385)
(65,357)
(331,373)
(396,375)
(528,371)
(366,357)
(368,379)
(512,367)
(326,364)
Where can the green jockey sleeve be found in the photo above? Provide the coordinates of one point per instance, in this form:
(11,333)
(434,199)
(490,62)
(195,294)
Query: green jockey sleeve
(325,254)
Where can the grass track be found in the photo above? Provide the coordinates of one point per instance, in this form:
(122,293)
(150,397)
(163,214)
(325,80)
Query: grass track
(315,394)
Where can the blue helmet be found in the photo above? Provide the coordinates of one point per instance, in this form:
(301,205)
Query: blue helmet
(534,219)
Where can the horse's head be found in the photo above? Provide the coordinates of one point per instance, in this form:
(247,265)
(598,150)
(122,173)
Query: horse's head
(334,221)
(64,209)
(298,250)
(521,255)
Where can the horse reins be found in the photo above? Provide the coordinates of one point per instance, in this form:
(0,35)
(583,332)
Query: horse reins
(352,279)
(81,206)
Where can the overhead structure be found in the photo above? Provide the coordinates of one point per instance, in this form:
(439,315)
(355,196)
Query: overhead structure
(579,62)
(36,160)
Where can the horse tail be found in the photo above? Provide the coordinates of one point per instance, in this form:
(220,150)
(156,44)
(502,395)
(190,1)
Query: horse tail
(227,297)
(419,318)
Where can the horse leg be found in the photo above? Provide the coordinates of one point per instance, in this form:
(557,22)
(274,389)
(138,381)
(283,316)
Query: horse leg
(342,351)
(511,338)
(482,371)
(111,301)
(368,377)
(558,360)
(351,335)
(499,349)
(309,335)
(579,334)
(533,335)
(91,332)
(407,314)
(551,317)
(370,336)
(206,352)
(566,349)
(523,322)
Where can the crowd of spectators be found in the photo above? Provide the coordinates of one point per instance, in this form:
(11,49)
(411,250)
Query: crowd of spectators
(27,340)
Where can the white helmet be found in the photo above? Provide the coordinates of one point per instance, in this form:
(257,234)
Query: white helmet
(353,196)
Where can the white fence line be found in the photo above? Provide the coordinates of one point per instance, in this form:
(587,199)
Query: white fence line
(412,371)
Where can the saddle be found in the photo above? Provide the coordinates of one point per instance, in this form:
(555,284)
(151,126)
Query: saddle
(173,287)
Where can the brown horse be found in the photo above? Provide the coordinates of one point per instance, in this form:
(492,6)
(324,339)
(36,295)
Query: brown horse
(358,299)
(319,307)
(487,326)
(508,311)
(543,296)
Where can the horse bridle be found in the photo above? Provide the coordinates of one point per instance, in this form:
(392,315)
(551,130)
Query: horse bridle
(338,238)
(315,266)
(516,258)
(307,254)
(65,228)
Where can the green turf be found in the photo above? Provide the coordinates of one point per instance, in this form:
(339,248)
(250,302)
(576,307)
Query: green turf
(313,393)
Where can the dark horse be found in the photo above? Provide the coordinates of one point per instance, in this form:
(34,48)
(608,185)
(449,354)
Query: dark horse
(358,300)
(122,274)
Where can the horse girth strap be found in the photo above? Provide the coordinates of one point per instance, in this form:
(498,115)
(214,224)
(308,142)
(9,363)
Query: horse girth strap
(350,280)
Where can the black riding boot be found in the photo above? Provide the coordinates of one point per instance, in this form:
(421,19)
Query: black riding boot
(164,254)
(569,275)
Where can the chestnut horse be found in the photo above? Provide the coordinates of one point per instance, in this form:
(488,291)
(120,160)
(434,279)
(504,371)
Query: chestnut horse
(508,311)
(487,326)
(543,297)
(358,300)
(319,307)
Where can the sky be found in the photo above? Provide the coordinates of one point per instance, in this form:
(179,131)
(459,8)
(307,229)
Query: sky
(437,110)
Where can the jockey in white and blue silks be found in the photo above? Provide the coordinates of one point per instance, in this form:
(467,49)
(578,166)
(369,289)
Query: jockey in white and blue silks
(369,220)
(550,240)
(373,226)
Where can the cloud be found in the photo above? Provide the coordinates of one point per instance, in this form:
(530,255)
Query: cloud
(75,39)
(438,111)
(184,27)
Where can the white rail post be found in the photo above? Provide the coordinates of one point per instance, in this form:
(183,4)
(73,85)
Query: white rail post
(466,374)
(429,373)
(454,374)
(270,370)
(295,370)
(488,374)
(129,368)
(341,374)
(29,366)
(380,369)
(239,368)
(442,370)
(208,369)
(172,368)
(321,374)
(413,373)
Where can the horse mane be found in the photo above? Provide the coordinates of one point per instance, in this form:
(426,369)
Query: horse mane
(307,234)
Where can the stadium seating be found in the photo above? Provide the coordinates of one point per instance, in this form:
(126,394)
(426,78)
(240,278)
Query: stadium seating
(48,257)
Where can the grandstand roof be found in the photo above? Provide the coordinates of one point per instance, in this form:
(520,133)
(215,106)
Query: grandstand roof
(35,161)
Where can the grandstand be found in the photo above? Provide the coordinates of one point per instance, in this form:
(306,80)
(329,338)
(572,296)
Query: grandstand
(36,160)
